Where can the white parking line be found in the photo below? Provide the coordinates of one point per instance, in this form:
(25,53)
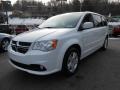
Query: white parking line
(114,38)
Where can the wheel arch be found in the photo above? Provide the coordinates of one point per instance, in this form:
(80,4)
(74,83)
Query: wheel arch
(65,48)
(6,38)
(77,46)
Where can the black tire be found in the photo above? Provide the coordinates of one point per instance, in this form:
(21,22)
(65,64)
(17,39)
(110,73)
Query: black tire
(114,35)
(105,45)
(65,68)
(4,48)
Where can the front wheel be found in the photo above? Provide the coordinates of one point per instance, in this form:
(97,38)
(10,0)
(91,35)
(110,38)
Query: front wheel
(4,44)
(71,61)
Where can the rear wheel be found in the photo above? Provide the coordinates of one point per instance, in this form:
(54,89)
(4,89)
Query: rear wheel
(105,45)
(4,44)
(71,61)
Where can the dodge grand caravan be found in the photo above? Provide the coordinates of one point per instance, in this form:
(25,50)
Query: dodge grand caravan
(59,43)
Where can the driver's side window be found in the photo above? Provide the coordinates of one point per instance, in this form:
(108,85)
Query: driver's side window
(87,18)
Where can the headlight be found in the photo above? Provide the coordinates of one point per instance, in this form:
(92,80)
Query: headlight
(46,45)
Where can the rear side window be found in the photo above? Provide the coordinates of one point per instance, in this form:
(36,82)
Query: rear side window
(97,20)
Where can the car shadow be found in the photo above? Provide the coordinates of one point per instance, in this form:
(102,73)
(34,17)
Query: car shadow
(1,51)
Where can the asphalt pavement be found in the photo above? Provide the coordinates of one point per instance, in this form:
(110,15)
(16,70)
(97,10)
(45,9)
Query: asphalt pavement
(99,71)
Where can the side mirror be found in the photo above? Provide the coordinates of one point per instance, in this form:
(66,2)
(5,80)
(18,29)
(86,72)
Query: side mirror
(88,25)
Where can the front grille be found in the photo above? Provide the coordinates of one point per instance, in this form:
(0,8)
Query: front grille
(33,67)
(21,47)
(24,43)
(14,42)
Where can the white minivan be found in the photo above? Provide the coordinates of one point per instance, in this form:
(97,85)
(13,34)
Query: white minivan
(59,43)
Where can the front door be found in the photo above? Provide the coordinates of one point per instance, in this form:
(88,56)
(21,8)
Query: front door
(88,36)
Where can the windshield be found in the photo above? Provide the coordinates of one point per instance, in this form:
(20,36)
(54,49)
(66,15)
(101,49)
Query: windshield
(68,20)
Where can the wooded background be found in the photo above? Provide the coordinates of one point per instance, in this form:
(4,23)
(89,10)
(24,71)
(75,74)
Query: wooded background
(32,8)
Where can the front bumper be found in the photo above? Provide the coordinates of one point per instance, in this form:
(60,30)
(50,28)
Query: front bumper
(49,60)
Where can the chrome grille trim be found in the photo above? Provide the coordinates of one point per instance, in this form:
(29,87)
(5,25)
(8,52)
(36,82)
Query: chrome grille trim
(18,46)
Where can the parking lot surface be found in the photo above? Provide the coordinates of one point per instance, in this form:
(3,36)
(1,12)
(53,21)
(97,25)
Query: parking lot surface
(99,71)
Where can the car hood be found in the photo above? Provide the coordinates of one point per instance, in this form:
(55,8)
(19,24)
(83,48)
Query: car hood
(32,36)
(2,35)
